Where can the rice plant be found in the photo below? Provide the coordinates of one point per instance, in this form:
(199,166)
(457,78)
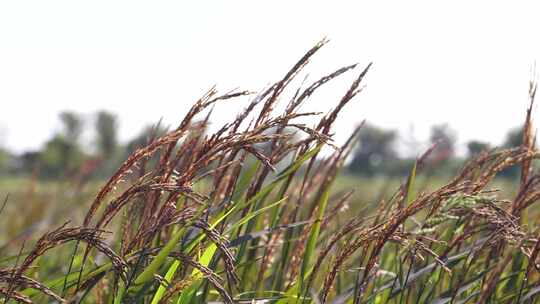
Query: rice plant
(248,214)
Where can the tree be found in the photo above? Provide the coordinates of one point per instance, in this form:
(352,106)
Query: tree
(474,147)
(73,126)
(375,150)
(30,161)
(514,138)
(145,136)
(148,134)
(106,129)
(62,155)
(445,138)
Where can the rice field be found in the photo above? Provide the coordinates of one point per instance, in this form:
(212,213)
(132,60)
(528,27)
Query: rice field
(255,213)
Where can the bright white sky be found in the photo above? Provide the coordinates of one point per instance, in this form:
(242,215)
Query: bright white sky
(467,63)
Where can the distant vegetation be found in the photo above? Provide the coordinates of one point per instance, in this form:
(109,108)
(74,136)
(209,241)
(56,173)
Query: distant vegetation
(255,213)
(65,156)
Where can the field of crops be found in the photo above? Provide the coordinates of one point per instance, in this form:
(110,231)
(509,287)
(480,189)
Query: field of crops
(255,213)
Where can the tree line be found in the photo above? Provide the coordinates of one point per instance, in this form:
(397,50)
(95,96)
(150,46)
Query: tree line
(376,153)
(64,155)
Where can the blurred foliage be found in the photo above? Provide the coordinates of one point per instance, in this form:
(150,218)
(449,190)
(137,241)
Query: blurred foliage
(375,151)
(444,140)
(65,155)
(60,157)
(73,126)
(474,147)
(5,157)
(513,139)
(107,134)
